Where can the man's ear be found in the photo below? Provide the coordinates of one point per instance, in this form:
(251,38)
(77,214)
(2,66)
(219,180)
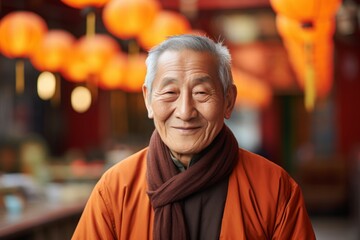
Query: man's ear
(146,95)
(230,99)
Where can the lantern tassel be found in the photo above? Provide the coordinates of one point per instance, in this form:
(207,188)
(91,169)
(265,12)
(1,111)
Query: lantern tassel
(19,76)
(90,23)
(309,88)
(310,91)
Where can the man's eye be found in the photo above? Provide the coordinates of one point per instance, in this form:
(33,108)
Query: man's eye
(201,96)
(169,95)
(200,93)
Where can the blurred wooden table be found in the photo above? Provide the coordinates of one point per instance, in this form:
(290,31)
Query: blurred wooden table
(42,220)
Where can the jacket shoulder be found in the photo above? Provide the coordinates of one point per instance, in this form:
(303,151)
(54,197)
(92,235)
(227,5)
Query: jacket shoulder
(263,177)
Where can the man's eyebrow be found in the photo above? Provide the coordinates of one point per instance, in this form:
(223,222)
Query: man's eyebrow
(203,79)
(167,80)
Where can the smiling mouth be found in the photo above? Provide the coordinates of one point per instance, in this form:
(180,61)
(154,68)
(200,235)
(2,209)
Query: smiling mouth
(187,129)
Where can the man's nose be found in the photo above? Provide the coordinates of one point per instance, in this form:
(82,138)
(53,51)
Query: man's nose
(185,108)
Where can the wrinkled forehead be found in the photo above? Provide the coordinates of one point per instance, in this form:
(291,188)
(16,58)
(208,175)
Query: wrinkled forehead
(192,67)
(188,56)
(187,60)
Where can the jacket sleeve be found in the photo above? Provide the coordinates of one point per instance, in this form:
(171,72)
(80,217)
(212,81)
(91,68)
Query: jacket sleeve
(96,221)
(292,221)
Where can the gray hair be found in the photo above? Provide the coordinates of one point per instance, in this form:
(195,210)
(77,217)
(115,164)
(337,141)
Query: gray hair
(195,43)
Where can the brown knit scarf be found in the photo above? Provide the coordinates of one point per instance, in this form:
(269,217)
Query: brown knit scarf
(167,187)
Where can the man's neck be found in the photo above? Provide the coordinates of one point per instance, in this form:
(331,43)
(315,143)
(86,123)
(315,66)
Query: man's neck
(184,159)
(181,165)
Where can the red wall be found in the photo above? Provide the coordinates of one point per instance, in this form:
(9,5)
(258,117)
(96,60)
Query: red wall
(347,89)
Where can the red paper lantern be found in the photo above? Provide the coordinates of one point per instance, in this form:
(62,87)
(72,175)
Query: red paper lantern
(166,23)
(21,33)
(127,19)
(113,74)
(85,3)
(53,51)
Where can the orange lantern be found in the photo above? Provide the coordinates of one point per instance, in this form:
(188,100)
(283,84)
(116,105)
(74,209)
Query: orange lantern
(88,57)
(292,29)
(136,71)
(310,50)
(307,13)
(166,23)
(113,73)
(53,51)
(96,50)
(126,19)
(74,68)
(322,59)
(306,10)
(21,33)
(251,91)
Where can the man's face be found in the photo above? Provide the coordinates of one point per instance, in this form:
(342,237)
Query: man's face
(187,102)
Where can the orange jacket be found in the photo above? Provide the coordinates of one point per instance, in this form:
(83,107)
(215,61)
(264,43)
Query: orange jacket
(263,202)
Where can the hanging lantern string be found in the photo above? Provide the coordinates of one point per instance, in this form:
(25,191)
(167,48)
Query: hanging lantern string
(19,76)
(90,21)
(91,82)
(310,89)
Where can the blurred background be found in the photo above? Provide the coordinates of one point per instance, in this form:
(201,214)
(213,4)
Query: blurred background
(71,104)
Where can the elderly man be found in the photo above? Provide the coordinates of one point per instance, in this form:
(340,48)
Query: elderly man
(193,181)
